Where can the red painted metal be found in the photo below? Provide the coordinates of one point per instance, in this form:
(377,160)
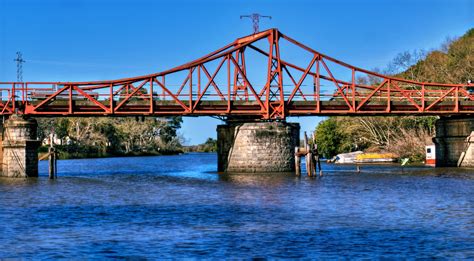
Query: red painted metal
(243,88)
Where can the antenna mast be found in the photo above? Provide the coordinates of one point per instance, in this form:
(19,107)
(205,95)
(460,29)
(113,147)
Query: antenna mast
(255,20)
(19,66)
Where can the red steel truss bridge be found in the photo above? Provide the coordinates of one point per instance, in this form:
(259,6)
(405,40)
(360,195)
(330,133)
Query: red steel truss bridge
(256,76)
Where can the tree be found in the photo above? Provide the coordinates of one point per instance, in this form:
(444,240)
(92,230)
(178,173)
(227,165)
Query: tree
(104,135)
(210,145)
(168,131)
(330,139)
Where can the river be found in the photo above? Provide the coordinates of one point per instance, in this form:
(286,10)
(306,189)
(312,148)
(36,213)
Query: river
(178,206)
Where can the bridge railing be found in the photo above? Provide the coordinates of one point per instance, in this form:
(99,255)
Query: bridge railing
(96,99)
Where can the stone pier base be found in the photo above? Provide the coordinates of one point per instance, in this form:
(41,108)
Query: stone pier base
(257,147)
(467,159)
(20,148)
(454,142)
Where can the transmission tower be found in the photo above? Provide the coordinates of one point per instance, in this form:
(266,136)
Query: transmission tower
(255,20)
(19,66)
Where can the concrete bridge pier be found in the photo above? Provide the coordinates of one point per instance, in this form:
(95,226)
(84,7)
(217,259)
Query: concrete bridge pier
(454,141)
(250,147)
(20,147)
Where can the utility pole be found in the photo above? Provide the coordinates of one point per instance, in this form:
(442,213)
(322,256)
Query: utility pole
(255,20)
(19,66)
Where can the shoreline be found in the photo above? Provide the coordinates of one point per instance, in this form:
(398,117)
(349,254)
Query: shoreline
(125,155)
(98,156)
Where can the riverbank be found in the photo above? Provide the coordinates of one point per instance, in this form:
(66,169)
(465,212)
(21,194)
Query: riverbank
(74,151)
(67,152)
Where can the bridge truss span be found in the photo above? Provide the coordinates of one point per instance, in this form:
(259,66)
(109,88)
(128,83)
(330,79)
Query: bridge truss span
(267,76)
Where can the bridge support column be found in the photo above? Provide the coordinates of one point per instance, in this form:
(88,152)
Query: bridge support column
(257,147)
(454,141)
(20,148)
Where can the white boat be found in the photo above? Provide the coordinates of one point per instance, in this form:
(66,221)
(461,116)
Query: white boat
(347,157)
(361,157)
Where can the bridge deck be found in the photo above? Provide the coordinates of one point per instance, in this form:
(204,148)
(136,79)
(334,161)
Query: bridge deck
(249,108)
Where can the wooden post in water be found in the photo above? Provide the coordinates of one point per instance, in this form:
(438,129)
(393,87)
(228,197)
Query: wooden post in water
(52,163)
(314,161)
(307,154)
(308,164)
(311,156)
(319,166)
(317,158)
(310,161)
(297,162)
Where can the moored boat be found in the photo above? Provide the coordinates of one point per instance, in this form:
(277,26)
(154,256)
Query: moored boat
(375,158)
(361,157)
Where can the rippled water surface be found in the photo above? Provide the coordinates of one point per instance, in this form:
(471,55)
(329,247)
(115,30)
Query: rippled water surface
(178,206)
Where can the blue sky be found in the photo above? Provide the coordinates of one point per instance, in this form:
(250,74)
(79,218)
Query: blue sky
(82,40)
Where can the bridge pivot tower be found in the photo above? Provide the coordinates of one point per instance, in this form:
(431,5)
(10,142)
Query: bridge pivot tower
(274,86)
(240,85)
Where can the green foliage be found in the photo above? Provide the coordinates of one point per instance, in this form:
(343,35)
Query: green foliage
(169,130)
(210,145)
(404,136)
(98,137)
(454,63)
(331,138)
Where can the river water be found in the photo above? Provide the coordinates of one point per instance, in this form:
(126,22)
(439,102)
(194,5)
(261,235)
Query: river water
(178,206)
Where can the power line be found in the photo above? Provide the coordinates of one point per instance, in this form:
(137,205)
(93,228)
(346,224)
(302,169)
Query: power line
(19,66)
(255,20)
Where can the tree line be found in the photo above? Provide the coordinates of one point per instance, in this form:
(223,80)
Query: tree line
(78,137)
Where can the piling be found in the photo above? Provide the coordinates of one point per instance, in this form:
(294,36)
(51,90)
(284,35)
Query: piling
(263,147)
(312,160)
(307,156)
(316,154)
(450,141)
(20,147)
(318,160)
(52,163)
(297,162)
